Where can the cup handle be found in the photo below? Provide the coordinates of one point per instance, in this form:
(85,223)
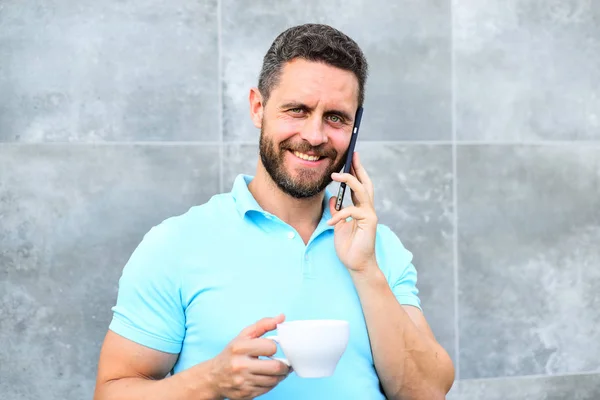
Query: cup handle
(283,360)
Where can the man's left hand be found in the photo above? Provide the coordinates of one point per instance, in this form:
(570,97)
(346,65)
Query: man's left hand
(355,238)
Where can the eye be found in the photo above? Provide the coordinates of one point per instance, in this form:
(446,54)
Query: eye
(335,119)
(296,110)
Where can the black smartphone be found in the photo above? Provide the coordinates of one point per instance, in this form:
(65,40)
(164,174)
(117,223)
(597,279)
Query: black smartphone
(348,165)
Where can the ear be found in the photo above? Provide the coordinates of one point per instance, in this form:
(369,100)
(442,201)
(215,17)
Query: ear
(256,107)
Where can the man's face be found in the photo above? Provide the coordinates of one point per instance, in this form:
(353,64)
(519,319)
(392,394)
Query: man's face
(306,126)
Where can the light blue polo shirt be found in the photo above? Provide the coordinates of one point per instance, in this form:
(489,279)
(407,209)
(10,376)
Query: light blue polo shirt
(196,280)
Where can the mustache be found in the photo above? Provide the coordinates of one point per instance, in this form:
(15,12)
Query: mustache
(304,147)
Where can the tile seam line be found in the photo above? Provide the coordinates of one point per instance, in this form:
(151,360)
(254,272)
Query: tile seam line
(455,269)
(532,376)
(220,92)
(250,143)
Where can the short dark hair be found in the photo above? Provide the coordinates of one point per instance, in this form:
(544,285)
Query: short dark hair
(313,42)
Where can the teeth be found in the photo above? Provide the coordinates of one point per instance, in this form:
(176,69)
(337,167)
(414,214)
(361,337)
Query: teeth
(306,156)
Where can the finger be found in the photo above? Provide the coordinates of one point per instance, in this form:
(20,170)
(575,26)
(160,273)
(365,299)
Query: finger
(362,196)
(253,347)
(332,201)
(268,367)
(266,381)
(361,174)
(352,211)
(261,327)
(261,347)
(353,171)
(352,194)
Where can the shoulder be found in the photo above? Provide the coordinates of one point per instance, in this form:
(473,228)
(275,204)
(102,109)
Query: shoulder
(197,220)
(387,237)
(390,250)
(168,240)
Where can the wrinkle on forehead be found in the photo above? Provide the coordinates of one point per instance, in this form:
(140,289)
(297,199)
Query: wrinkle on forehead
(318,86)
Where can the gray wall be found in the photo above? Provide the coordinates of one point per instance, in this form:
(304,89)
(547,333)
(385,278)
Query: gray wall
(481,133)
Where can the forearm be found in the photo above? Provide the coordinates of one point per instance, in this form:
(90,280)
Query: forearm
(410,364)
(192,384)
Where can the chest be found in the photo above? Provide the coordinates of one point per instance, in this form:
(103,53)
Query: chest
(226,290)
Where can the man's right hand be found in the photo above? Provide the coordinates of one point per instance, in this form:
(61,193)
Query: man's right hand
(128,370)
(238,373)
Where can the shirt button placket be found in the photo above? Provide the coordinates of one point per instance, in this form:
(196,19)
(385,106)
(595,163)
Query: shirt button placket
(307,271)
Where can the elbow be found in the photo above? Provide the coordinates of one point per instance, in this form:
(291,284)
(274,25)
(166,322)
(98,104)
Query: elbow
(433,384)
(427,392)
(103,390)
(98,395)
(442,380)
(100,392)
(448,374)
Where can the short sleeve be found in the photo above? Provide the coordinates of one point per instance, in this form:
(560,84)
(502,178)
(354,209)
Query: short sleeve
(396,263)
(149,309)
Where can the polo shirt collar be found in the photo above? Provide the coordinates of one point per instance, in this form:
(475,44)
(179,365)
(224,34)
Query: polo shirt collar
(244,201)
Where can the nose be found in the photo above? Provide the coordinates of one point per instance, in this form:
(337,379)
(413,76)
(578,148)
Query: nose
(313,131)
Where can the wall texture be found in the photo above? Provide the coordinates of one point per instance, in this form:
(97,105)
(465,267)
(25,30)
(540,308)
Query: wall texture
(481,133)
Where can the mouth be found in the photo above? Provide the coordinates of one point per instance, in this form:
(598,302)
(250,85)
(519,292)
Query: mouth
(306,157)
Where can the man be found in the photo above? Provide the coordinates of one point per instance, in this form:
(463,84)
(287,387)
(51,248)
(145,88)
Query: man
(202,289)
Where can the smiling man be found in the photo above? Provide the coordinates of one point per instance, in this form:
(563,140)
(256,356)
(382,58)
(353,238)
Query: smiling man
(201,290)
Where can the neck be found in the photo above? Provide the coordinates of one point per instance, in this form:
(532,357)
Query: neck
(302,214)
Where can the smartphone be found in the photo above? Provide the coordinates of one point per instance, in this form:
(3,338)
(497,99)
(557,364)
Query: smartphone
(348,164)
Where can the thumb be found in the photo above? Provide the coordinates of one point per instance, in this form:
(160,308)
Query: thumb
(332,209)
(261,327)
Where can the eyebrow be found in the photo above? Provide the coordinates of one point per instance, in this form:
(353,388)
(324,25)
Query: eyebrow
(294,104)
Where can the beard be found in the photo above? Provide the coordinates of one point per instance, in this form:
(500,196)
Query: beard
(308,182)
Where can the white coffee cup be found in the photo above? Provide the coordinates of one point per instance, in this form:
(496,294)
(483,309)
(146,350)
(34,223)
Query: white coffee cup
(312,348)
